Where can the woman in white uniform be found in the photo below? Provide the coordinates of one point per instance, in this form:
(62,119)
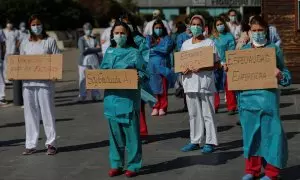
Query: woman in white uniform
(39,95)
(90,56)
(11,41)
(199,87)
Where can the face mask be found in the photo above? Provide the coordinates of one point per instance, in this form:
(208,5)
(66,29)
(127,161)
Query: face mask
(158,32)
(37,30)
(88,32)
(259,38)
(130,27)
(196,30)
(232,18)
(22,29)
(120,39)
(221,28)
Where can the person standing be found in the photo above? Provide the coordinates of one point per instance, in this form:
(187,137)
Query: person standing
(105,37)
(23,33)
(264,140)
(38,95)
(199,86)
(2,79)
(148,31)
(160,45)
(224,41)
(233,24)
(89,58)
(11,43)
(122,107)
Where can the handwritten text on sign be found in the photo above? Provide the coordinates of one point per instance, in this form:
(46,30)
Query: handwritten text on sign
(35,67)
(112,79)
(194,59)
(251,69)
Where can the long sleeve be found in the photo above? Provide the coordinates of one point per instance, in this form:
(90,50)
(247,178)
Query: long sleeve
(287,78)
(165,47)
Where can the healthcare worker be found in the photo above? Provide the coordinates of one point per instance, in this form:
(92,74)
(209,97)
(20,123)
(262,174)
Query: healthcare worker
(199,86)
(233,24)
(148,31)
(38,95)
(122,107)
(160,45)
(89,58)
(224,41)
(2,80)
(23,32)
(105,37)
(11,42)
(264,140)
(146,94)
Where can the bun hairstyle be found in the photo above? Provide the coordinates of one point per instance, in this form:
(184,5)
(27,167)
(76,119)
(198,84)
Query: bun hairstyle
(43,35)
(129,42)
(198,17)
(258,20)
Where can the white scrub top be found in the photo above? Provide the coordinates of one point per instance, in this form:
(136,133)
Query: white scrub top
(11,40)
(235,30)
(46,46)
(106,34)
(23,35)
(203,81)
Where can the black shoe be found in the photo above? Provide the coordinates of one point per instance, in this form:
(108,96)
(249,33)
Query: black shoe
(238,123)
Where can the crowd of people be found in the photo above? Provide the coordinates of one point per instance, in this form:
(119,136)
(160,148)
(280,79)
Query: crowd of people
(151,52)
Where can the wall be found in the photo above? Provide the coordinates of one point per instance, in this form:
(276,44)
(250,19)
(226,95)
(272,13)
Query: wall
(282,14)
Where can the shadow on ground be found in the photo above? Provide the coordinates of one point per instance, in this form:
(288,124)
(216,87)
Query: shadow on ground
(187,161)
(291,173)
(290,91)
(23,123)
(290,117)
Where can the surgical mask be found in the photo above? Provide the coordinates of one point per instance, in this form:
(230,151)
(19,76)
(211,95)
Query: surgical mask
(196,30)
(221,28)
(232,18)
(259,38)
(88,32)
(158,32)
(130,27)
(37,30)
(22,29)
(120,39)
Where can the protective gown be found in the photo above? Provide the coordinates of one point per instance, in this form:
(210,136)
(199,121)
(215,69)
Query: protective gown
(122,109)
(263,133)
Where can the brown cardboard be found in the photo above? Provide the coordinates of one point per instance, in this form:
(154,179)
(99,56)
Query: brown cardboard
(194,59)
(34,67)
(251,69)
(112,79)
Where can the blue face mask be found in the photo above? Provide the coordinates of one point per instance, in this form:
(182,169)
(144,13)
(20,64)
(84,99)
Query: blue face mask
(120,39)
(221,28)
(158,32)
(37,30)
(196,30)
(232,18)
(88,32)
(259,38)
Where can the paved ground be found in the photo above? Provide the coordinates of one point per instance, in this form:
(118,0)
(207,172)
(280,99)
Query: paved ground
(83,133)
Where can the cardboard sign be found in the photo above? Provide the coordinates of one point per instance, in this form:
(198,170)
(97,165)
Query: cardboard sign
(251,69)
(194,59)
(112,79)
(35,67)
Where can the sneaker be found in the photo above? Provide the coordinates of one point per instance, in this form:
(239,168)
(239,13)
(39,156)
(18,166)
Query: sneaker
(154,112)
(265,178)
(3,102)
(130,174)
(190,147)
(248,177)
(208,149)
(114,172)
(96,98)
(29,151)
(238,123)
(161,112)
(81,99)
(51,150)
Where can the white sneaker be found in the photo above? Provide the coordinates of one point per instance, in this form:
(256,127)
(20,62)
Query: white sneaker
(162,112)
(154,112)
(3,103)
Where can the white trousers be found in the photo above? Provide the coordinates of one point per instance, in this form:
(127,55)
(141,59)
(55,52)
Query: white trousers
(202,117)
(82,85)
(2,81)
(39,104)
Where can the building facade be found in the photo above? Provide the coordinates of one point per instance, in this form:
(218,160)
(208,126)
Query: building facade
(284,14)
(179,7)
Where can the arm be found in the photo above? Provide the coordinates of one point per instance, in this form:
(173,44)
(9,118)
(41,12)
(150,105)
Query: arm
(286,75)
(165,47)
(54,48)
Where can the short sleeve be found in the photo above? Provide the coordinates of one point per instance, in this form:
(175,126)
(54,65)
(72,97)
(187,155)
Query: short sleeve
(53,46)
